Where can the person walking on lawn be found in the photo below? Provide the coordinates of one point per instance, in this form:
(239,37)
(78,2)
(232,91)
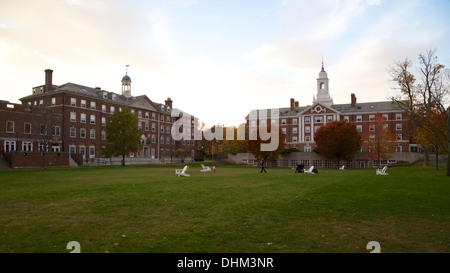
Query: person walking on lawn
(263,164)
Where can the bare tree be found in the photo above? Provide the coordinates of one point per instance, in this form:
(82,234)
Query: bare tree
(429,94)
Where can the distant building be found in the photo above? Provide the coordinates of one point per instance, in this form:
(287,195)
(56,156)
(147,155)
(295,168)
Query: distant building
(300,123)
(72,118)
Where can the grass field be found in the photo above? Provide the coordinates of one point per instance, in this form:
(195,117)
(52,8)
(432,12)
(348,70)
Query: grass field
(148,209)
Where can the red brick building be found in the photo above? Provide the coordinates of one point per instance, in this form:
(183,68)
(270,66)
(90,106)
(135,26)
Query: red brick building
(299,123)
(72,118)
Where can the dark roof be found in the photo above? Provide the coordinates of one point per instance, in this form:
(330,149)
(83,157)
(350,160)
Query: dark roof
(379,106)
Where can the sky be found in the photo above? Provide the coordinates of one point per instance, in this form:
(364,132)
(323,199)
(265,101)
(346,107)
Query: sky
(218,60)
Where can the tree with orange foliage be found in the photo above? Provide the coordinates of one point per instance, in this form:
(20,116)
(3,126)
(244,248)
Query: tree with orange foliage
(338,141)
(433,133)
(378,139)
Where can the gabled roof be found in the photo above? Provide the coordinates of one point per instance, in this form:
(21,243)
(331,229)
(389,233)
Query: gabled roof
(318,108)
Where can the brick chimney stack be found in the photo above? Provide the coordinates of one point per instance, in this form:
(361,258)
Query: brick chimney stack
(169,102)
(296,104)
(353,100)
(292,104)
(48,80)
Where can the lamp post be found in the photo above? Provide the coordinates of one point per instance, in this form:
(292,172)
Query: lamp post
(17,141)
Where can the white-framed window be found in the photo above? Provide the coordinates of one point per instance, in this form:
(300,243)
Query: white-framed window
(398,126)
(82,150)
(294,130)
(91,151)
(72,149)
(103,135)
(307,138)
(9,145)
(307,129)
(307,149)
(316,128)
(73,102)
(112,109)
(318,119)
(27,146)
(371,117)
(103,108)
(73,132)
(307,120)
(83,103)
(359,128)
(294,139)
(283,121)
(103,121)
(92,133)
(153,127)
(398,149)
(82,133)
(398,116)
(73,117)
(56,148)
(294,121)
(146,127)
(83,118)
(53,101)
(359,118)
(399,136)
(56,131)
(139,114)
(92,119)
(43,147)
(385,116)
(283,130)
(93,106)
(329,118)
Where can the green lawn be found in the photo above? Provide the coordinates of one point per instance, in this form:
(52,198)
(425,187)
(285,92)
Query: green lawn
(148,209)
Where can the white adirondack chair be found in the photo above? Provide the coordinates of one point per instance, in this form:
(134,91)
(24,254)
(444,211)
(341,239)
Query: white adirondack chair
(310,170)
(205,168)
(342,168)
(382,171)
(182,172)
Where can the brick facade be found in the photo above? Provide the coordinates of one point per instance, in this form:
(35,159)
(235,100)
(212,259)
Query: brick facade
(76,118)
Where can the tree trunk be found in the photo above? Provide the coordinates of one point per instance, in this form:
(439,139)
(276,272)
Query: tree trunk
(437,161)
(426,157)
(123,160)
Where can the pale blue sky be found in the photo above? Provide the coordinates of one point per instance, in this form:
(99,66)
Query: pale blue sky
(218,60)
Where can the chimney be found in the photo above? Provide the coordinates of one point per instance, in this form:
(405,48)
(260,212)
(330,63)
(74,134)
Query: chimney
(296,104)
(292,104)
(353,100)
(98,88)
(169,102)
(48,80)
